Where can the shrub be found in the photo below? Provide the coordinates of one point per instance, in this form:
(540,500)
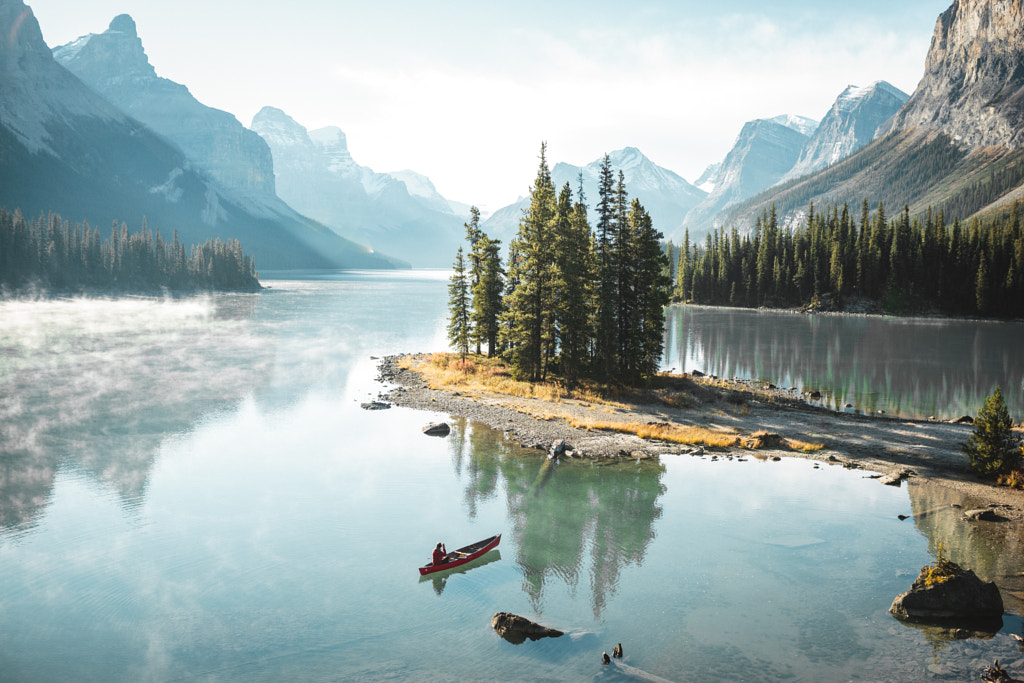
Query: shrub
(992,448)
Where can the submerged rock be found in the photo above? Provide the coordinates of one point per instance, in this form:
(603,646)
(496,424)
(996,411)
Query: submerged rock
(375,405)
(516,629)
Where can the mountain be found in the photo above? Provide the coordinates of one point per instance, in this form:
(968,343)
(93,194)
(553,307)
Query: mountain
(315,173)
(115,65)
(66,149)
(665,195)
(764,151)
(709,178)
(800,124)
(957,145)
(973,83)
(849,125)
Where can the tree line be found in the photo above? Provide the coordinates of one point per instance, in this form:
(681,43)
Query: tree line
(574,301)
(899,264)
(52,253)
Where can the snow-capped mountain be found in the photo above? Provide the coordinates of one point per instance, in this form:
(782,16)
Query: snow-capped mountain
(849,125)
(800,124)
(64,148)
(764,151)
(315,173)
(666,196)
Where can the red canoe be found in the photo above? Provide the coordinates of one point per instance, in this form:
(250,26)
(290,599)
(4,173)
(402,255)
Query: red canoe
(461,556)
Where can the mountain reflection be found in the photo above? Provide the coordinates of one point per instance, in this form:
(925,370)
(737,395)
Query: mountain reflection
(909,367)
(571,521)
(99,385)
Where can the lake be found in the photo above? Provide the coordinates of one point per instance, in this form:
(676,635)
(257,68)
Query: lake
(907,367)
(189,489)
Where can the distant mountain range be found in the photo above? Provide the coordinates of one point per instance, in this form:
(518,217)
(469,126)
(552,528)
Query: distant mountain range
(665,195)
(65,148)
(955,145)
(91,131)
(318,176)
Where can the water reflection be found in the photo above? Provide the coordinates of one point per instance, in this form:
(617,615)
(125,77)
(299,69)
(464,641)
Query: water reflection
(571,521)
(99,385)
(440,579)
(993,550)
(907,367)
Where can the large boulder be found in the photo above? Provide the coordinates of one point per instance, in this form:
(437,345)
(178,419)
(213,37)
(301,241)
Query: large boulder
(516,629)
(953,594)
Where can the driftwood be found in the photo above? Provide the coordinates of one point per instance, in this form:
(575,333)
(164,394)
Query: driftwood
(997,674)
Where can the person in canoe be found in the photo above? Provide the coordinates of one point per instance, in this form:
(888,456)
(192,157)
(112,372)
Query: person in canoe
(439,554)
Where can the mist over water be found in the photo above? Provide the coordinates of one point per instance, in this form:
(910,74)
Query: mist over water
(189,489)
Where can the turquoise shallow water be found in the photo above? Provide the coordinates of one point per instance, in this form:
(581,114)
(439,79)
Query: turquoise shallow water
(190,490)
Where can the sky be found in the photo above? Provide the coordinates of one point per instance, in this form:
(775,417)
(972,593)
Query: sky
(465,92)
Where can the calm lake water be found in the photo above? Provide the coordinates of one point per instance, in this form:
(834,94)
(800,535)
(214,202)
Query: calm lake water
(908,367)
(190,490)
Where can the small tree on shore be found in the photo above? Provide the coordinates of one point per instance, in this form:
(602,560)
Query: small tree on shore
(992,448)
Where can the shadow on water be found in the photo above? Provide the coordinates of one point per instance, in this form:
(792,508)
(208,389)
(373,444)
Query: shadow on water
(570,520)
(440,579)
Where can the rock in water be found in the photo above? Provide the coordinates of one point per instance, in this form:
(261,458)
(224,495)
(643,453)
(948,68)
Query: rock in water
(961,597)
(437,429)
(516,629)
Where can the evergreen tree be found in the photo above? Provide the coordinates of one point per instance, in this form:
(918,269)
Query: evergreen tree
(605,341)
(992,448)
(487,294)
(575,265)
(531,333)
(458,306)
(474,236)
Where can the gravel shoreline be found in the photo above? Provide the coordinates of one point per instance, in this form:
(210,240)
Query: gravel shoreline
(896,449)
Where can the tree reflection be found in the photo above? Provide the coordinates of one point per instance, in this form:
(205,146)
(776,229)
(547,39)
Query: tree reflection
(911,367)
(993,550)
(569,519)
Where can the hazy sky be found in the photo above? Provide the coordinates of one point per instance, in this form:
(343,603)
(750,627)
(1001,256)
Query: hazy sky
(465,92)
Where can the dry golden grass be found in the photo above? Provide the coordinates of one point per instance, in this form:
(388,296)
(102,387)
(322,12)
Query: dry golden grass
(661,431)
(478,374)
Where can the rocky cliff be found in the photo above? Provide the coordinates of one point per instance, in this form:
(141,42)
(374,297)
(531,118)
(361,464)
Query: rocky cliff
(115,65)
(973,85)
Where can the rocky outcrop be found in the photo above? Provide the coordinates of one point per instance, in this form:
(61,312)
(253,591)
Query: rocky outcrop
(973,84)
(437,429)
(516,629)
(960,595)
